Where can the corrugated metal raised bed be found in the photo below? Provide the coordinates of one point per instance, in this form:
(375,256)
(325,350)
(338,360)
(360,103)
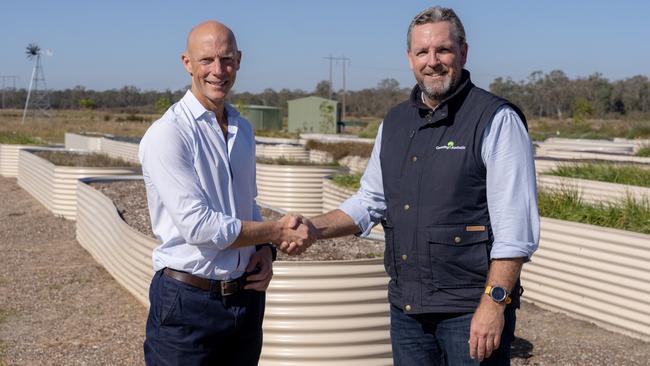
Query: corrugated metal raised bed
(605,146)
(293,188)
(56,186)
(289,152)
(83,142)
(317,313)
(595,273)
(9,159)
(594,191)
(578,155)
(122,250)
(120,149)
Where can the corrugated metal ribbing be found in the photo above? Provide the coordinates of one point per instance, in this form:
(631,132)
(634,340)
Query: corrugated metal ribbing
(593,191)
(317,313)
(120,149)
(9,159)
(327,313)
(318,156)
(123,251)
(289,152)
(578,155)
(600,274)
(605,146)
(56,186)
(542,166)
(293,188)
(82,142)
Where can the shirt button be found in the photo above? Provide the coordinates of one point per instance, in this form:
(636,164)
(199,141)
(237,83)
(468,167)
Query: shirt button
(457,240)
(404,257)
(407,307)
(414,158)
(406,207)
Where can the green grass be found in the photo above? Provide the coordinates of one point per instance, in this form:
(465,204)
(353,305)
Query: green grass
(604,172)
(66,158)
(18,138)
(348,181)
(541,129)
(644,152)
(567,205)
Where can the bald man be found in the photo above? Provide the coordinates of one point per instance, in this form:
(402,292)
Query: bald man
(214,261)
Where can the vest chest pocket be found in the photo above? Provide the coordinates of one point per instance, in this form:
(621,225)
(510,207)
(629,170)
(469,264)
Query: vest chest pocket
(459,258)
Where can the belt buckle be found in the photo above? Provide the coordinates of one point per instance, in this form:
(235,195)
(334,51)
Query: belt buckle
(229,287)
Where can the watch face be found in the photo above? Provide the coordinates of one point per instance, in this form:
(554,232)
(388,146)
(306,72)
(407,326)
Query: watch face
(498,293)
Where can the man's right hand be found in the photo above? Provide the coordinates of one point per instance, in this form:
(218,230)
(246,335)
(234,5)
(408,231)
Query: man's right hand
(297,234)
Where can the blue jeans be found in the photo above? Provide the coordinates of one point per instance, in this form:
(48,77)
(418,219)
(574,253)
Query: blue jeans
(441,339)
(190,326)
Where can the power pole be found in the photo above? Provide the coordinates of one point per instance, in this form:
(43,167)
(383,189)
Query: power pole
(13,78)
(343,60)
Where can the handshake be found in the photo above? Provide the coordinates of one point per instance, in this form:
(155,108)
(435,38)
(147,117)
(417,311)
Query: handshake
(296,233)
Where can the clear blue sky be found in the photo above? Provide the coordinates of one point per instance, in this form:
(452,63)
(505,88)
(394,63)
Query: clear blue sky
(109,44)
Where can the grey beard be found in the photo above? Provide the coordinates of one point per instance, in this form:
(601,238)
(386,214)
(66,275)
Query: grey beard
(439,94)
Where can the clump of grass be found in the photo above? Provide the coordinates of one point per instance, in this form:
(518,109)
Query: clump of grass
(644,152)
(348,181)
(567,205)
(67,158)
(339,150)
(19,138)
(604,172)
(285,161)
(371,130)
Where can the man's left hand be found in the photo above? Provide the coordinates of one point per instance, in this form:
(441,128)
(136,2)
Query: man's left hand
(262,259)
(485,331)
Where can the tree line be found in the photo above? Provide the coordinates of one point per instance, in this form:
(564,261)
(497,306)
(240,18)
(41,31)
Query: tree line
(550,95)
(555,95)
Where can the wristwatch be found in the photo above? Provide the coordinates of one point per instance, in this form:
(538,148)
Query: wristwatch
(498,294)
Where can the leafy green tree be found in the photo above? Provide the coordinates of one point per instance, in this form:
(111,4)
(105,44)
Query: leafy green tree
(162,104)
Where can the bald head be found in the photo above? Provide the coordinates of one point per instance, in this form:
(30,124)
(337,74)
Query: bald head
(210,31)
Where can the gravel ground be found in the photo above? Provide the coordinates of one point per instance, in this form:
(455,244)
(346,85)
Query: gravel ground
(58,307)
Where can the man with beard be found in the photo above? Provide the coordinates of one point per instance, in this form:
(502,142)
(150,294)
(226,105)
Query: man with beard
(452,180)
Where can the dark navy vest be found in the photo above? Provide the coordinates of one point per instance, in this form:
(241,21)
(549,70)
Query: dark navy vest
(438,236)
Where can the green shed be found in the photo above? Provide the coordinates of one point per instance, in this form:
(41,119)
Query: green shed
(313,114)
(262,117)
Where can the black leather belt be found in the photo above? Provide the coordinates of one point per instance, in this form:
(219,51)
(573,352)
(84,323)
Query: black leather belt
(225,288)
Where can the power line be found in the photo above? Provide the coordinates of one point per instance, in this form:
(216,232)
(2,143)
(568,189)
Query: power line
(344,60)
(13,79)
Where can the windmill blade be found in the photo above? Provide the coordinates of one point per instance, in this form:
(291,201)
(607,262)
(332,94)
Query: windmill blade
(49,52)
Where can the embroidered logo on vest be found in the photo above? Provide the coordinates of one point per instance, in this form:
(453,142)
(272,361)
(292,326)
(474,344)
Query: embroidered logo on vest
(450,146)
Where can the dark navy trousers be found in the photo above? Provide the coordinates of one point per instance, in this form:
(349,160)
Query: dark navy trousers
(190,326)
(441,339)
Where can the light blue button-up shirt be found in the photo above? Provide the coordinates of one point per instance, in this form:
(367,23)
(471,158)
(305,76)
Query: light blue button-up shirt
(511,188)
(200,187)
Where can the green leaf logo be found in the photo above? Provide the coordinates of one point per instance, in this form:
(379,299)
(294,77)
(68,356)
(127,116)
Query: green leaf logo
(450,144)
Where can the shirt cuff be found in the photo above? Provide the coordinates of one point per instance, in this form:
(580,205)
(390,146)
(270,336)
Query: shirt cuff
(359,215)
(228,232)
(505,250)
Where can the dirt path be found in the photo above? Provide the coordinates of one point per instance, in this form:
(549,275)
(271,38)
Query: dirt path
(59,307)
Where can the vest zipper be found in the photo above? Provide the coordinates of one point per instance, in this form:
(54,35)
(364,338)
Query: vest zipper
(408,149)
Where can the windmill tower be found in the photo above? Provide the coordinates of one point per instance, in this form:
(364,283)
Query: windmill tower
(37,91)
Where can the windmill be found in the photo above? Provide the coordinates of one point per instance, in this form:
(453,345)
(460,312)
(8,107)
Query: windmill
(37,86)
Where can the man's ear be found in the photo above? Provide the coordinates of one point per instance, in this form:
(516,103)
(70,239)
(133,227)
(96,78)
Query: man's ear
(187,64)
(238,59)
